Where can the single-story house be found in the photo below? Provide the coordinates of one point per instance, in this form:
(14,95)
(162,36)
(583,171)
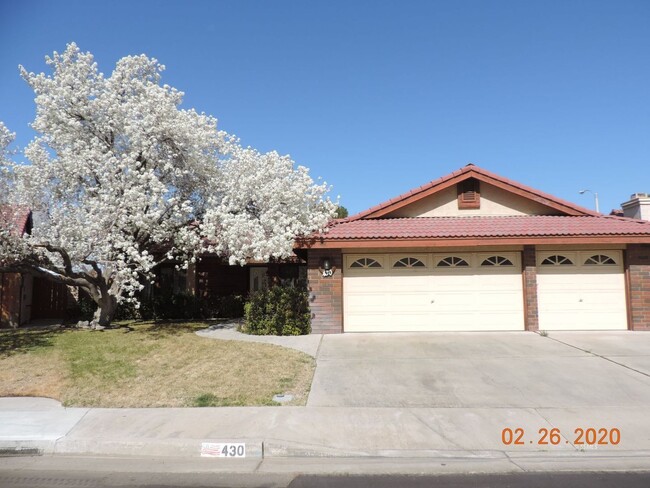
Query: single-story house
(471,251)
(23,297)
(474,251)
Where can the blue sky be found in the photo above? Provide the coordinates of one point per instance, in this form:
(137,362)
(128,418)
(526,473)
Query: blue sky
(378,97)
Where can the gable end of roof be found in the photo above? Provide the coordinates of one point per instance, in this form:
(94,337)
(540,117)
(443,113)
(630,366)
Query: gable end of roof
(472,171)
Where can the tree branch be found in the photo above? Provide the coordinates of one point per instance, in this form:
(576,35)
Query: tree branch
(67,262)
(95,267)
(49,275)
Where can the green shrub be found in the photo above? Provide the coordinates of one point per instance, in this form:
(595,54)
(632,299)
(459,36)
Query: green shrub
(230,306)
(126,311)
(177,306)
(280,310)
(85,308)
(190,307)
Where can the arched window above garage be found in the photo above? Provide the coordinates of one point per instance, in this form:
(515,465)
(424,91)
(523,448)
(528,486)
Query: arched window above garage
(408,262)
(452,262)
(599,260)
(365,263)
(557,260)
(497,261)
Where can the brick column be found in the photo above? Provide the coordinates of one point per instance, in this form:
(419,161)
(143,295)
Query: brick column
(638,273)
(529,267)
(325,294)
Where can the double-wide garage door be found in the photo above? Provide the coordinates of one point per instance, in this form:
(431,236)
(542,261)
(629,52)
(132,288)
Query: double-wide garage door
(433,292)
(576,290)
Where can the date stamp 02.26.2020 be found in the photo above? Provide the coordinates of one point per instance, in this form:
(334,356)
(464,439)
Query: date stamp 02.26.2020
(582,436)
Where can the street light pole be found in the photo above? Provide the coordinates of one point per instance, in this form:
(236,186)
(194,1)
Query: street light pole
(595,194)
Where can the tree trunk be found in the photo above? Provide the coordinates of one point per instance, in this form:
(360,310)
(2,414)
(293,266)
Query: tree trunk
(106,308)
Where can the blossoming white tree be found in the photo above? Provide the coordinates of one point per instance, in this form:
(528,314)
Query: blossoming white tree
(6,138)
(122,178)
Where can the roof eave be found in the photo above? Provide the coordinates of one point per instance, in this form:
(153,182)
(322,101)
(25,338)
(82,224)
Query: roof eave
(324,243)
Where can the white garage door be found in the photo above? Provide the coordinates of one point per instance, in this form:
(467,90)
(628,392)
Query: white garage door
(581,290)
(432,292)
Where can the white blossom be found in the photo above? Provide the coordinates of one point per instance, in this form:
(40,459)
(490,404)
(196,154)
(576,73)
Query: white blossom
(121,178)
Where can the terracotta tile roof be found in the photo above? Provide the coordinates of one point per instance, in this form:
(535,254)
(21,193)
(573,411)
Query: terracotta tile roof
(471,170)
(487,226)
(15,218)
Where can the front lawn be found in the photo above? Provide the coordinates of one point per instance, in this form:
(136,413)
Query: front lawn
(148,365)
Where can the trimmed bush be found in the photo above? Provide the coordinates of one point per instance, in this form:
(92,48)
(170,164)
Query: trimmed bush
(230,307)
(280,310)
(182,306)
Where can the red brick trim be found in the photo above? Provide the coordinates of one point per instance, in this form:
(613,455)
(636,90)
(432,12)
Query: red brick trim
(638,273)
(529,276)
(325,293)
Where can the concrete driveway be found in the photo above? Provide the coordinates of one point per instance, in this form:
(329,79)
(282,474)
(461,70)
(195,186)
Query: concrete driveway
(510,369)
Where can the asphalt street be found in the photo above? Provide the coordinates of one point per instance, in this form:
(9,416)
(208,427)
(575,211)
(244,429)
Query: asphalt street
(85,479)
(101,472)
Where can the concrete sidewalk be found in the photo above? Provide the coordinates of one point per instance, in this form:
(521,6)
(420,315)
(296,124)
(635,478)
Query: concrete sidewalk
(42,426)
(227,331)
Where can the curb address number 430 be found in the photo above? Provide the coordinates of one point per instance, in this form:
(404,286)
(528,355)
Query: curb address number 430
(223,450)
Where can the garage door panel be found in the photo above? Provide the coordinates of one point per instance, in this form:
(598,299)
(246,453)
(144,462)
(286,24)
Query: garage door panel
(500,303)
(368,303)
(409,284)
(551,297)
(367,322)
(500,320)
(603,282)
(404,302)
(551,320)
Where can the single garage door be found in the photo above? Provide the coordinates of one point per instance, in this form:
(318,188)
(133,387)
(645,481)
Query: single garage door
(582,290)
(432,292)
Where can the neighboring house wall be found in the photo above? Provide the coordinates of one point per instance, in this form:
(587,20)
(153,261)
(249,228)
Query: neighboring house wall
(216,279)
(10,303)
(26,299)
(211,277)
(493,202)
(49,300)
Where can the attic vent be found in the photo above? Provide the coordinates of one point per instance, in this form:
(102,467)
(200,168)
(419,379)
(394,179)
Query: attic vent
(469,194)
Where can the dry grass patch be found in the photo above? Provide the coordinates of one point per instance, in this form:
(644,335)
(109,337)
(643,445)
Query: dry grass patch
(149,365)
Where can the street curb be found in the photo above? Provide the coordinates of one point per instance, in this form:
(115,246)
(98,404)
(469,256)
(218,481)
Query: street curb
(186,448)
(26,447)
(260,449)
(275,449)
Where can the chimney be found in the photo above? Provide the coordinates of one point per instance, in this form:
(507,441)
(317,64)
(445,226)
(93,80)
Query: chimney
(637,207)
